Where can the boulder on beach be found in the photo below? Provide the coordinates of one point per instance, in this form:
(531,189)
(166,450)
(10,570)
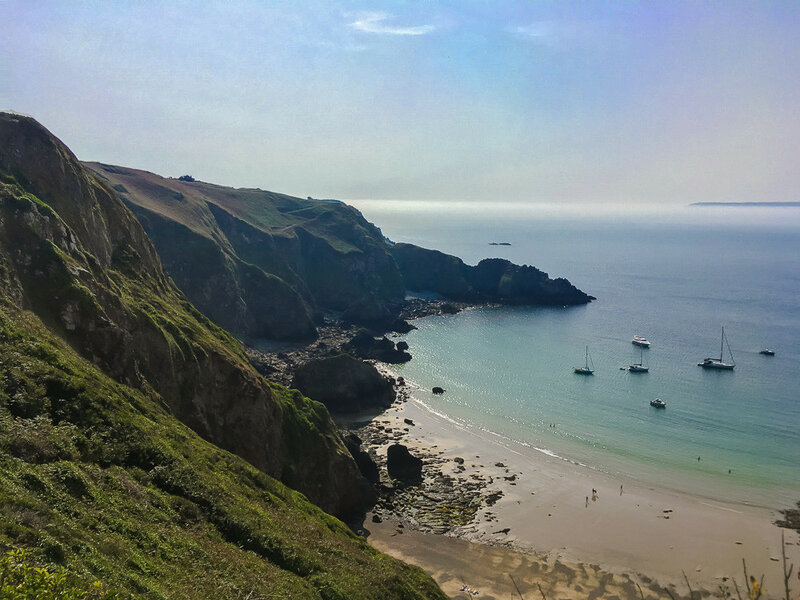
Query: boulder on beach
(438,390)
(402,465)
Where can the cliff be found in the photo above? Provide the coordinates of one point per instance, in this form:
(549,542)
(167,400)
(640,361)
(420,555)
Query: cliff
(75,257)
(491,280)
(100,478)
(259,263)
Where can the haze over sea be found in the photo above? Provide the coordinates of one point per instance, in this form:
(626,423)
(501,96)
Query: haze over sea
(675,278)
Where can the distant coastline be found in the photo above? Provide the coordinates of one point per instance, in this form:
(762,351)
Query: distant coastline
(767,204)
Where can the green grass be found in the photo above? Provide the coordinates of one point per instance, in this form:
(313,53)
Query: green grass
(99,479)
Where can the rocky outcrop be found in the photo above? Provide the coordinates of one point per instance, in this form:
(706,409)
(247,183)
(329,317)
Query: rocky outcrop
(363,460)
(491,280)
(228,248)
(75,256)
(402,465)
(365,345)
(344,384)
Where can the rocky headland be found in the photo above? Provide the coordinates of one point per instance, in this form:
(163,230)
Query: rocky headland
(138,445)
(118,287)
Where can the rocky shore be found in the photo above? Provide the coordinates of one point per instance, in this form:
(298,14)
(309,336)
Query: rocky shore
(446,498)
(279,361)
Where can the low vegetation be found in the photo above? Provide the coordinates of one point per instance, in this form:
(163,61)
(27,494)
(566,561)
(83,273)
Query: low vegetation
(100,480)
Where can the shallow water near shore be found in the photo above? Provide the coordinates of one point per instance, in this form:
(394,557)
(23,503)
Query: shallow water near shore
(508,370)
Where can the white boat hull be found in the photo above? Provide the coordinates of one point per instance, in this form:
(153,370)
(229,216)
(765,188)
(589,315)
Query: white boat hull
(715,364)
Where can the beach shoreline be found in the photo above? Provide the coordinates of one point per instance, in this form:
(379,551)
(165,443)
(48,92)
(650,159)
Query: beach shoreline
(555,512)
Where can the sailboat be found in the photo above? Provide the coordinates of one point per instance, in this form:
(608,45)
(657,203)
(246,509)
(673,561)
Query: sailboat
(585,370)
(639,367)
(718,363)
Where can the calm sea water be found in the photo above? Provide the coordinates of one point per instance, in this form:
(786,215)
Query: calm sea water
(675,280)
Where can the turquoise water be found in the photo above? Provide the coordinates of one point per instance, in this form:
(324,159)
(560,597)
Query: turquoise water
(677,282)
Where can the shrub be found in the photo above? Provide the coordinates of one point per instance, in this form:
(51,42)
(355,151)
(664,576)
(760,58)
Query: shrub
(21,580)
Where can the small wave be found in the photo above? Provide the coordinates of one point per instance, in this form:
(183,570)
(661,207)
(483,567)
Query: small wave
(502,440)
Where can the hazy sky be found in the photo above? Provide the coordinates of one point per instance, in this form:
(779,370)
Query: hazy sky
(659,102)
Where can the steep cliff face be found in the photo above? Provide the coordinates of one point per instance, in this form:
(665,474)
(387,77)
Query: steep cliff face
(491,280)
(76,257)
(322,254)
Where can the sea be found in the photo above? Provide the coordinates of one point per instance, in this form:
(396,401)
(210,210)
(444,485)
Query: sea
(676,276)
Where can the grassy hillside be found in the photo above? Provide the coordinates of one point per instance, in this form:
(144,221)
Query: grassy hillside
(323,253)
(101,478)
(76,257)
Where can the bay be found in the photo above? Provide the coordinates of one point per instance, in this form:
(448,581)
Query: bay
(676,279)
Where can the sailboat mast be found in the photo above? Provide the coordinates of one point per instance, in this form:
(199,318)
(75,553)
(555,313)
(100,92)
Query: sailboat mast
(721,342)
(587,357)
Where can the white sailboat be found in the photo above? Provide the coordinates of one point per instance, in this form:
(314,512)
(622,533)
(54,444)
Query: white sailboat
(718,363)
(585,370)
(640,366)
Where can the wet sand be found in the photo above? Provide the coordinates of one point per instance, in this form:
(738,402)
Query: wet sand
(554,536)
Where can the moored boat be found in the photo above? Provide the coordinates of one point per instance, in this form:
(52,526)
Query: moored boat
(718,363)
(767,352)
(585,370)
(658,403)
(639,367)
(640,341)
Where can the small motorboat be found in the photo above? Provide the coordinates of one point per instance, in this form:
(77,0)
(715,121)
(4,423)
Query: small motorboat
(640,341)
(767,352)
(658,403)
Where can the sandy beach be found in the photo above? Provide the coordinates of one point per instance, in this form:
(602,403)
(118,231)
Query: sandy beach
(545,526)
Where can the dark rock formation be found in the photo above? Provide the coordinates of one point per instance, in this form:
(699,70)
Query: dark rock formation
(363,460)
(74,255)
(344,384)
(402,465)
(365,345)
(491,280)
(438,390)
(401,326)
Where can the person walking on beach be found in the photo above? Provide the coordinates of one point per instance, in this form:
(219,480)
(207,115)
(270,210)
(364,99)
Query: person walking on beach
(620,489)
(587,502)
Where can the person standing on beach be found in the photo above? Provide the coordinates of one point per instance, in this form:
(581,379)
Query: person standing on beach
(587,504)
(620,489)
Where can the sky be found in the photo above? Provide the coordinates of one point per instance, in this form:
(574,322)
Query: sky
(658,103)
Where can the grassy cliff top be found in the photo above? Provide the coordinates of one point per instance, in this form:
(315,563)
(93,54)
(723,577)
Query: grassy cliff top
(186,202)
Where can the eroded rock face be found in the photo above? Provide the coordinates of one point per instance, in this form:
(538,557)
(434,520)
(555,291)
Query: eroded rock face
(402,465)
(491,280)
(344,384)
(72,253)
